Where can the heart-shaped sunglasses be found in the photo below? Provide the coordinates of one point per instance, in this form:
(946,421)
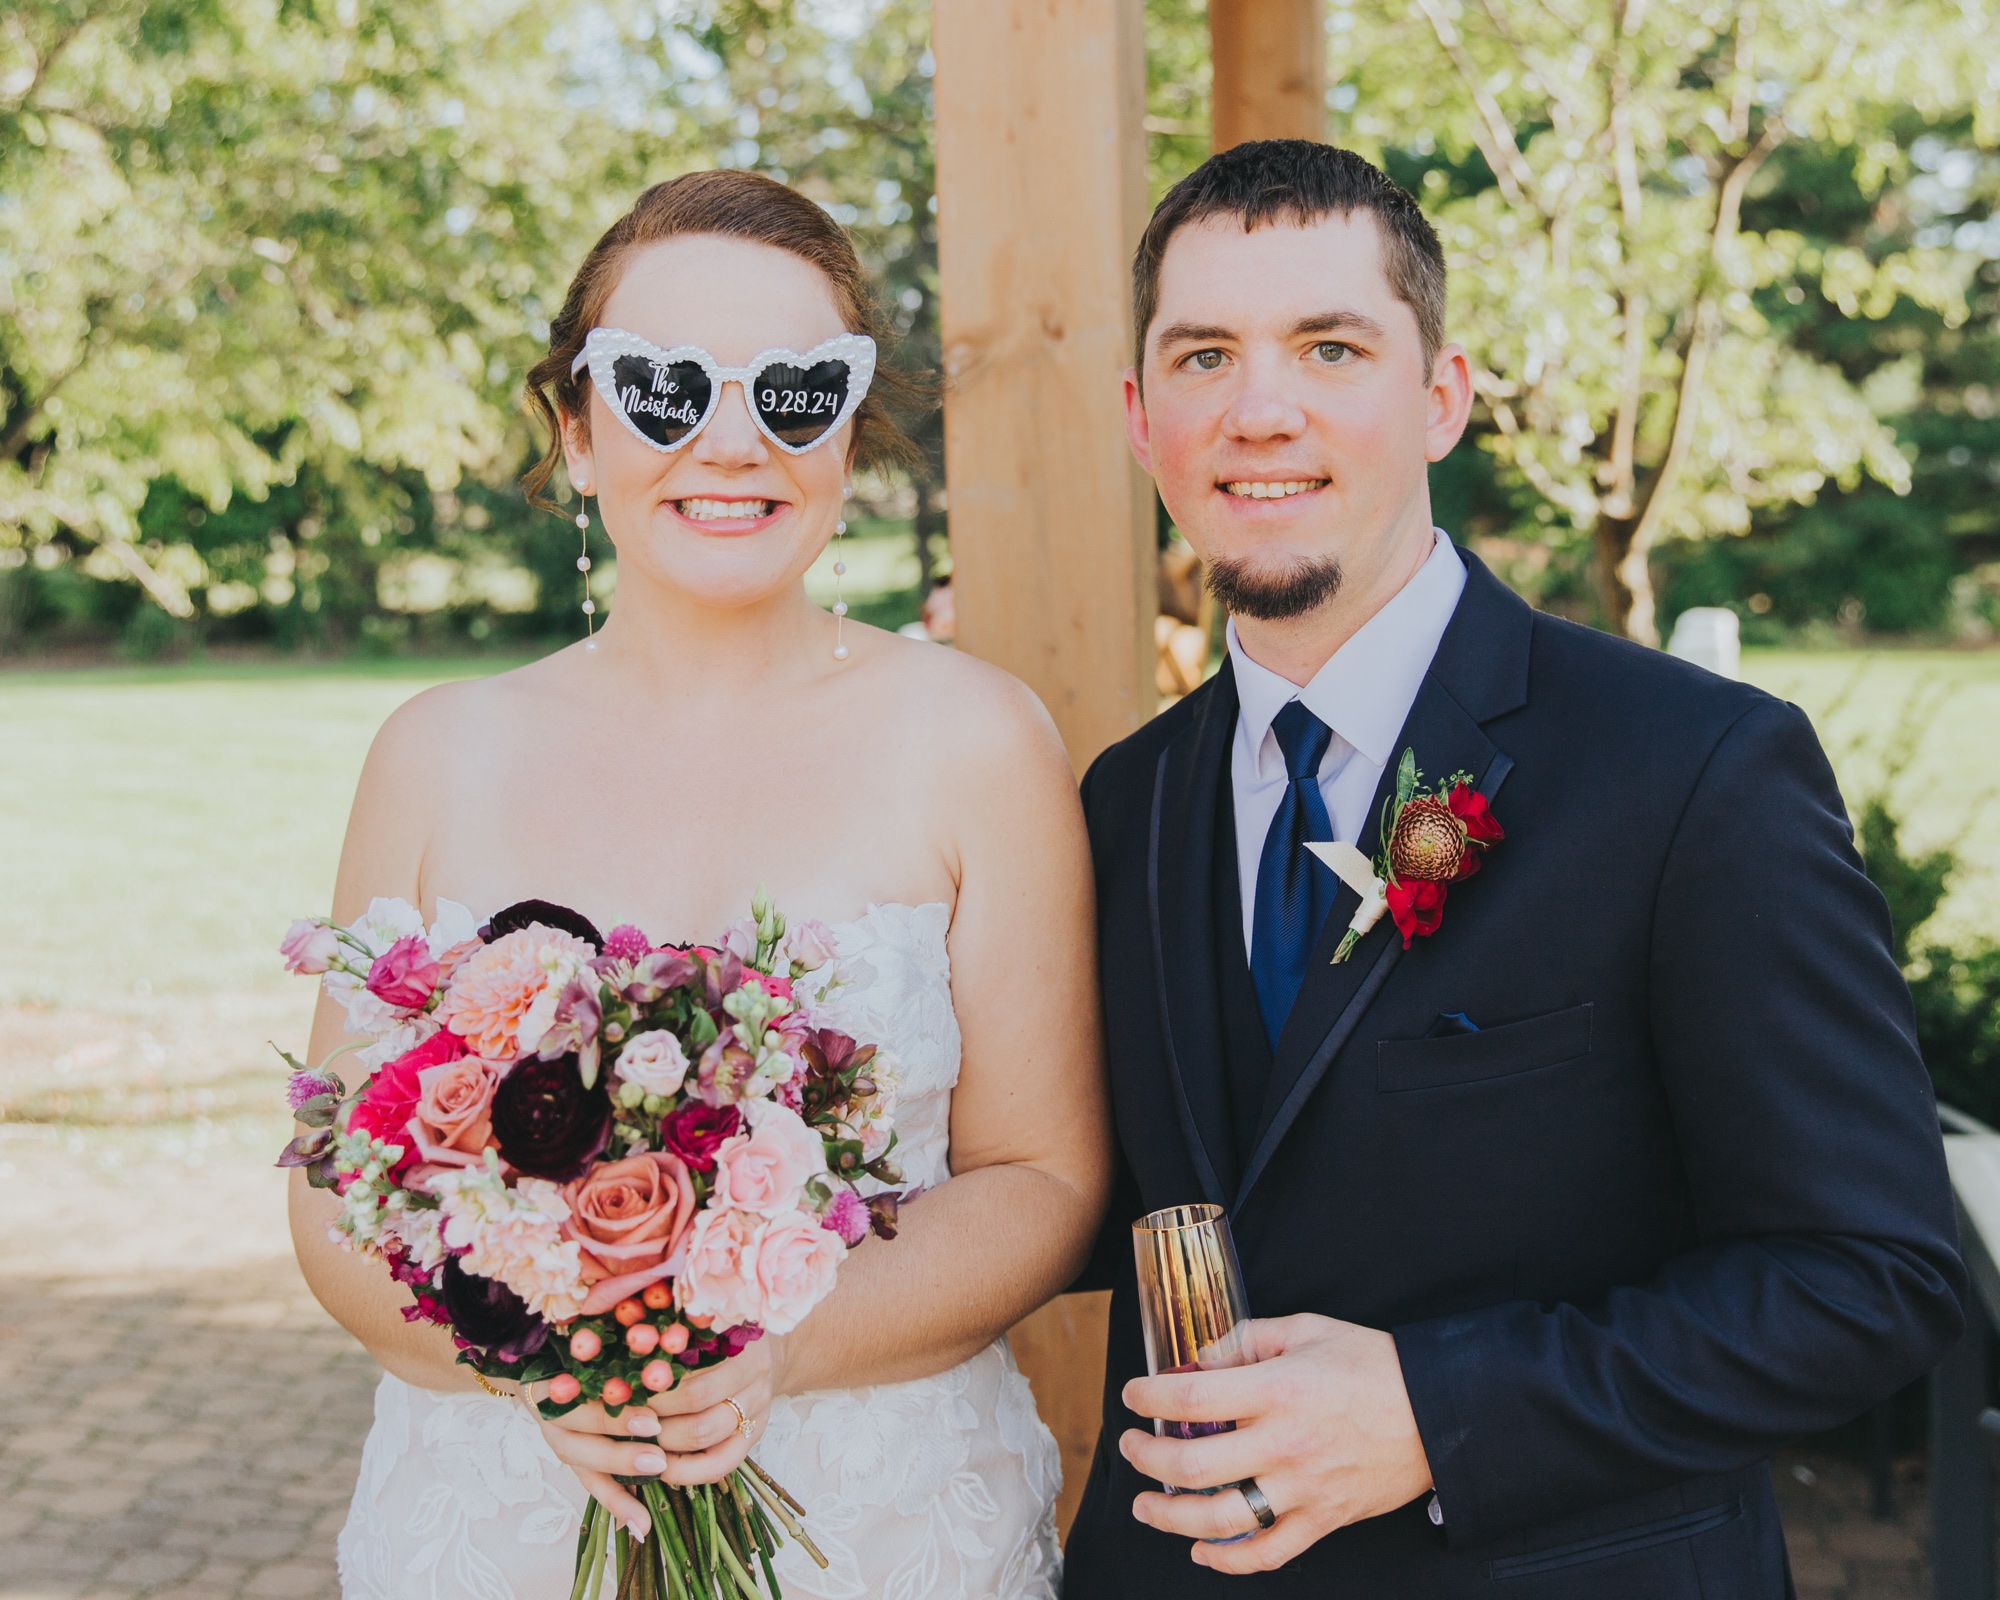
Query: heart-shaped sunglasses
(665,397)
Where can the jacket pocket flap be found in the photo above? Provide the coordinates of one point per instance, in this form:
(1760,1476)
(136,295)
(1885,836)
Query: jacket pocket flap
(1543,1041)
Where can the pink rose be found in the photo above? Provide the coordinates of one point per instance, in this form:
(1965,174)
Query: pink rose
(810,943)
(390,1100)
(453,1124)
(405,975)
(718,1280)
(765,1170)
(627,1218)
(309,946)
(796,1261)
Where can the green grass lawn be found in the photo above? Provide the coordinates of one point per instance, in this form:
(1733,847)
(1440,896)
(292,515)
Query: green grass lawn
(158,828)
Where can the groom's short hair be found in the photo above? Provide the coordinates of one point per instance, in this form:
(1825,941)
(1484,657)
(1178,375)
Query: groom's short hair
(1299,181)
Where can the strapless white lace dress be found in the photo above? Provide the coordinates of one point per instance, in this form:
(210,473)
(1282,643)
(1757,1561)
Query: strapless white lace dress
(941,1489)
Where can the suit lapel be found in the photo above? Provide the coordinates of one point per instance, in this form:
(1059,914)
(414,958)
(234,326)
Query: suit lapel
(1180,886)
(1479,672)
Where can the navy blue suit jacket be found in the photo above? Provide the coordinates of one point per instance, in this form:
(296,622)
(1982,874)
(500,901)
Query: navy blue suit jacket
(1682,1198)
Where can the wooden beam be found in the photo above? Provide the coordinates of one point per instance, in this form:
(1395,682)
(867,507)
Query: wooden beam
(1041,197)
(1269,61)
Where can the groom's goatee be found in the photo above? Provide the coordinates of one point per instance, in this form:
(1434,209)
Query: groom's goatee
(1303,586)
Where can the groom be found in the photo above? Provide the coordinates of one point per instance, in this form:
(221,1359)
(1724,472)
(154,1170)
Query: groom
(1586,1179)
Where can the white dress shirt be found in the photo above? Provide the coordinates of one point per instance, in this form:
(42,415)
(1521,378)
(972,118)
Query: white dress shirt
(1363,694)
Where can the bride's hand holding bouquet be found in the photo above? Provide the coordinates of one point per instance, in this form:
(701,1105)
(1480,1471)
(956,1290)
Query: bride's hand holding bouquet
(613,1170)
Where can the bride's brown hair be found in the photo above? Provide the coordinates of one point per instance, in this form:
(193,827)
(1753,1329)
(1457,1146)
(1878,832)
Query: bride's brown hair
(737,205)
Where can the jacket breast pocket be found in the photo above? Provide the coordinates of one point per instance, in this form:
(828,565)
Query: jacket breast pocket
(1499,1052)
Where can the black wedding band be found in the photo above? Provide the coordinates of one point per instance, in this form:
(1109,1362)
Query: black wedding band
(1260,1508)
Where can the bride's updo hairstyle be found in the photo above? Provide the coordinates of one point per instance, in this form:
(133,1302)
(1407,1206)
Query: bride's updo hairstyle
(736,205)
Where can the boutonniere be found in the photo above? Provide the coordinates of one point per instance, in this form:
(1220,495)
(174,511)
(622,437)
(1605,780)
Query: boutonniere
(1431,838)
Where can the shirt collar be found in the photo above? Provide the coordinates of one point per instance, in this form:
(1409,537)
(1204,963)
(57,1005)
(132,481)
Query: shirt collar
(1364,693)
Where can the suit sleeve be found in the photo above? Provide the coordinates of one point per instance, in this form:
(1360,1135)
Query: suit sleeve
(1112,1250)
(1826,1275)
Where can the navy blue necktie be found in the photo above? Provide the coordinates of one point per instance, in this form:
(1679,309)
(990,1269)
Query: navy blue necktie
(1294,892)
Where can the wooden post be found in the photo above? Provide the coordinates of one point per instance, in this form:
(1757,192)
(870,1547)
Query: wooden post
(1041,198)
(1269,61)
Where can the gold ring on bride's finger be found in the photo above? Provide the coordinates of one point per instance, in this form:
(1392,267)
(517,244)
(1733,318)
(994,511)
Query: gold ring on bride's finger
(742,1420)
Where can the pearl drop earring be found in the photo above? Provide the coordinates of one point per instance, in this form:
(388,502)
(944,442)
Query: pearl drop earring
(840,572)
(583,566)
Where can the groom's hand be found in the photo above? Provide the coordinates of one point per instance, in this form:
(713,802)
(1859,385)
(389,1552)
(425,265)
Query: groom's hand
(1323,1423)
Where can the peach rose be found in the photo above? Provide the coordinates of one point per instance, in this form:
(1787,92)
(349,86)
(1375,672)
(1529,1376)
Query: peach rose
(765,1170)
(627,1218)
(718,1280)
(796,1261)
(452,1123)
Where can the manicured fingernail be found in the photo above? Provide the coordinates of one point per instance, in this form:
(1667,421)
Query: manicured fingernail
(650,1461)
(643,1423)
(639,1530)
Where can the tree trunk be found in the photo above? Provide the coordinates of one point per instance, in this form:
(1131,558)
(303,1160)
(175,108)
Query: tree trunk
(1625,578)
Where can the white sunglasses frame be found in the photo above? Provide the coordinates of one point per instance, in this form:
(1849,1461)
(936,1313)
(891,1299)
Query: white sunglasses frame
(603,346)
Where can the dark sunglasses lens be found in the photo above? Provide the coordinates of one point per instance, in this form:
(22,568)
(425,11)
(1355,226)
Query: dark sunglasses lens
(664,400)
(799,404)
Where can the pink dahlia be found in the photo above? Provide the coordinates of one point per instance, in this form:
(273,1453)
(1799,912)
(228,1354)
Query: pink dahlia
(495,988)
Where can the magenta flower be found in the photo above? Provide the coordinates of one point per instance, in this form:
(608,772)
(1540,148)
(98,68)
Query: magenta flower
(405,975)
(848,1217)
(626,943)
(309,1086)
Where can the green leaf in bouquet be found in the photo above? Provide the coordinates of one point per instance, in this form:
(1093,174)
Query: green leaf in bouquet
(318,1111)
(845,1155)
(701,1030)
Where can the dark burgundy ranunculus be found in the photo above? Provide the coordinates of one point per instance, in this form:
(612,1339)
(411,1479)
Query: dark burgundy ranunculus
(488,1315)
(547,1124)
(523,913)
(696,1131)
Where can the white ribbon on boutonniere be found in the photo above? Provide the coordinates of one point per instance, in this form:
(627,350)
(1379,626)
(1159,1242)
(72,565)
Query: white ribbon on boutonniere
(1358,873)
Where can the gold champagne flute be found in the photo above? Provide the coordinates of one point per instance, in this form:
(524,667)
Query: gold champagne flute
(1192,1307)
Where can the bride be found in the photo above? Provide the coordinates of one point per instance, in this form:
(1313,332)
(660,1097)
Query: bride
(721,732)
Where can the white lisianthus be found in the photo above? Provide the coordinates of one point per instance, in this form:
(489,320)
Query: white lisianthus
(404,1034)
(514,1236)
(653,1061)
(455,924)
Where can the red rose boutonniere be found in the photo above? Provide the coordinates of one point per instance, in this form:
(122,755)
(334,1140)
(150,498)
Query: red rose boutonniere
(1431,838)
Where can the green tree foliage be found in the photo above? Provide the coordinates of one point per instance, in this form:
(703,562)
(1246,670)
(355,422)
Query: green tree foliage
(1867,556)
(241,236)
(1593,169)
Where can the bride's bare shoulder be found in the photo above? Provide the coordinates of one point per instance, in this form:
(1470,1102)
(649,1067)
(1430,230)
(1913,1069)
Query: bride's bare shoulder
(973,720)
(452,731)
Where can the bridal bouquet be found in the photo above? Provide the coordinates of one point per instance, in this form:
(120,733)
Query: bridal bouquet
(601,1163)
